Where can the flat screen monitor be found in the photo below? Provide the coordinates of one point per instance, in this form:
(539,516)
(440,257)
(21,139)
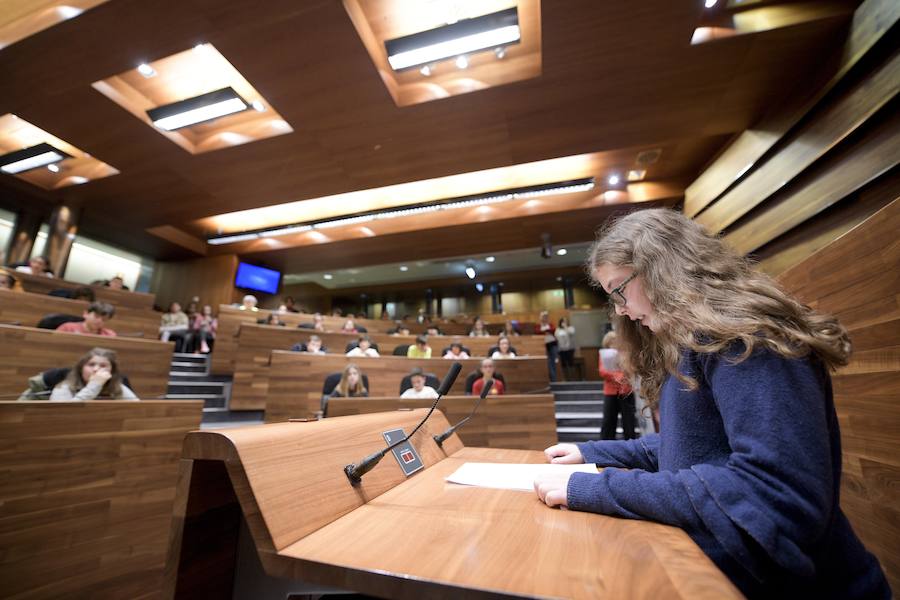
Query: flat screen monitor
(256,278)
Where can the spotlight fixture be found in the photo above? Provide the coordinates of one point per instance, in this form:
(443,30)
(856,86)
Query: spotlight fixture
(146,70)
(198,109)
(470,272)
(258,106)
(54,168)
(31,158)
(500,52)
(562,252)
(425,70)
(454,40)
(404,268)
(546,189)
(462,62)
(490,259)
(613,180)
(328,276)
(479,287)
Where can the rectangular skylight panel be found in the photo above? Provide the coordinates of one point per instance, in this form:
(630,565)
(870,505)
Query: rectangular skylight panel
(33,162)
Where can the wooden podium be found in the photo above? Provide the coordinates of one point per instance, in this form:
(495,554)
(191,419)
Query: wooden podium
(395,537)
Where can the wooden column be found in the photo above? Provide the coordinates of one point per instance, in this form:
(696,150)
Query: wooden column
(21,242)
(63,226)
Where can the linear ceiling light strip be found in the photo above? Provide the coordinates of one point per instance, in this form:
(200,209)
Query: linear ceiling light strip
(31,158)
(198,109)
(564,187)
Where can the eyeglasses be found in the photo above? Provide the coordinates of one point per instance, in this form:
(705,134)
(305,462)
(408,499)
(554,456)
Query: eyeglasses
(616,295)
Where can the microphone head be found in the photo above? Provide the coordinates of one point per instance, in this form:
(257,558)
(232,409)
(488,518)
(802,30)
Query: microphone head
(488,384)
(449,378)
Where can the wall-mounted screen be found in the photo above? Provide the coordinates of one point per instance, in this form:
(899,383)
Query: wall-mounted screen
(256,278)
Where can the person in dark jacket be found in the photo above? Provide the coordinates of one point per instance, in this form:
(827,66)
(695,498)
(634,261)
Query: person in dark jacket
(748,461)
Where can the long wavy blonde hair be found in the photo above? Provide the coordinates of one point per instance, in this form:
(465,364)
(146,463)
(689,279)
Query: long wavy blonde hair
(705,297)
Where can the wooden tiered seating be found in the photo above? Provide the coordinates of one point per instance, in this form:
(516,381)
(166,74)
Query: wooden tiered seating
(86,495)
(294,377)
(29,351)
(398,537)
(526,422)
(28,308)
(123,298)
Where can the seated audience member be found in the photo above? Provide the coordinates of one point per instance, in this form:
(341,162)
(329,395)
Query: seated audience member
(337,312)
(7,281)
(419,389)
(349,326)
(117,283)
(385,315)
(351,384)
(510,328)
(487,372)
(456,351)
(503,349)
(82,292)
(420,349)
(432,330)
(273,319)
(203,331)
(175,326)
(95,317)
(314,345)
(401,330)
(363,348)
(478,329)
(37,265)
(289,305)
(249,303)
(95,376)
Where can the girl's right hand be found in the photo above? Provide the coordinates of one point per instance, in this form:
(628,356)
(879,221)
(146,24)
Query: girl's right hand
(101,376)
(564,454)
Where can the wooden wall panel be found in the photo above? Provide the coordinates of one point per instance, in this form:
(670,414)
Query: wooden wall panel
(857,278)
(295,379)
(212,279)
(511,421)
(29,351)
(86,496)
(27,309)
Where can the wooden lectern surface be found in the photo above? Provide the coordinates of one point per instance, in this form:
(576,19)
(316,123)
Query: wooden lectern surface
(398,537)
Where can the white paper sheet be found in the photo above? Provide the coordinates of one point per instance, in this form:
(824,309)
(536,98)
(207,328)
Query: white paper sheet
(507,476)
(610,358)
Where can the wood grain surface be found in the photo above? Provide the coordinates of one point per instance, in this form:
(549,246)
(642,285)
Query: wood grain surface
(296,378)
(857,279)
(422,537)
(43,285)
(30,351)
(28,308)
(86,495)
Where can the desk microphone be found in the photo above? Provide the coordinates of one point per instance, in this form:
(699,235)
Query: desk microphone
(355,471)
(439,439)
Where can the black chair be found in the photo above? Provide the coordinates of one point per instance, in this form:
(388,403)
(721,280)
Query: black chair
(476,375)
(401,350)
(301,347)
(54,320)
(430,379)
(361,329)
(331,382)
(306,326)
(493,349)
(263,322)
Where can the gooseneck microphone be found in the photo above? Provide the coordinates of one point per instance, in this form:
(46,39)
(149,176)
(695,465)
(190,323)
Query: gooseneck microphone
(439,439)
(355,471)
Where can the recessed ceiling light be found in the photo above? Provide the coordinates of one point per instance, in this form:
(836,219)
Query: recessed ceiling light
(500,52)
(328,276)
(404,268)
(479,287)
(54,168)
(426,70)
(462,62)
(258,106)
(469,35)
(40,155)
(78,179)
(636,174)
(146,70)
(490,259)
(191,111)
(562,252)
(613,180)
(470,272)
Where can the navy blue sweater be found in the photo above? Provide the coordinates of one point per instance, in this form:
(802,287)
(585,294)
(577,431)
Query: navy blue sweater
(749,465)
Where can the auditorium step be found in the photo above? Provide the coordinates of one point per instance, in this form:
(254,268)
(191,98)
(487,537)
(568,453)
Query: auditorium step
(576,386)
(189,379)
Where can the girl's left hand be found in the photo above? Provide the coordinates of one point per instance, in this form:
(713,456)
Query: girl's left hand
(551,488)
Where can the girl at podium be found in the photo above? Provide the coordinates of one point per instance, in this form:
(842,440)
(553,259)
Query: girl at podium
(748,461)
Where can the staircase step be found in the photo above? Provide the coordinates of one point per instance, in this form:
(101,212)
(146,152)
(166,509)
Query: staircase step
(571,386)
(182,374)
(578,406)
(187,357)
(209,400)
(197,387)
(238,417)
(578,395)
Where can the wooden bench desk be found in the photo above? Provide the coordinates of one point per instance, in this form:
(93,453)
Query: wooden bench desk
(123,298)
(86,495)
(29,351)
(526,422)
(298,377)
(408,538)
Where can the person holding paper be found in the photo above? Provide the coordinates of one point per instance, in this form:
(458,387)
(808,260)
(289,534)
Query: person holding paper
(748,461)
